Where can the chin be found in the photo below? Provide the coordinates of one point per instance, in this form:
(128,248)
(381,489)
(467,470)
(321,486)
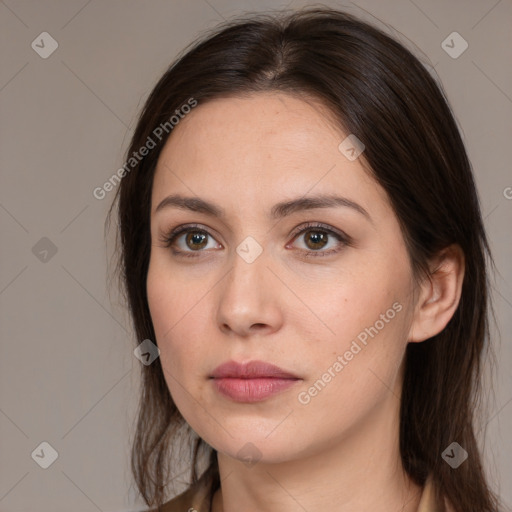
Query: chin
(251,448)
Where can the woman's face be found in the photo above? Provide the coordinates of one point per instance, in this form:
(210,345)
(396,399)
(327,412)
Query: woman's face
(331,306)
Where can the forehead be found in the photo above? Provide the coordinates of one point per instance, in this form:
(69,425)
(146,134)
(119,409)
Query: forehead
(236,126)
(266,143)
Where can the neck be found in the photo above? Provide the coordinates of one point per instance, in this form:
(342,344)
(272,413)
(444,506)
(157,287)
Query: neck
(361,471)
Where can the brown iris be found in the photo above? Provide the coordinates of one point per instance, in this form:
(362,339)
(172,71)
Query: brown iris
(198,238)
(319,239)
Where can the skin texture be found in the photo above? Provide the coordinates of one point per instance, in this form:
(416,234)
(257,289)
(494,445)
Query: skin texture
(340,450)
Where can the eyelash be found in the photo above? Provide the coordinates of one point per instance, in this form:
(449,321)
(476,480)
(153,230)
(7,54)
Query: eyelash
(168,238)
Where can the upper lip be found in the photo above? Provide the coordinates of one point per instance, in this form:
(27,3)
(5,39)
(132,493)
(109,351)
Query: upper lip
(250,370)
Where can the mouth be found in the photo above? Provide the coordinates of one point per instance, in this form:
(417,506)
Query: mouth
(251,382)
(252,390)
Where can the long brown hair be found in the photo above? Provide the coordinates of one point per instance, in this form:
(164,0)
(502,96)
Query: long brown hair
(375,88)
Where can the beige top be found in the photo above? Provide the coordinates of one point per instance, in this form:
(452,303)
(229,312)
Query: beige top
(196,499)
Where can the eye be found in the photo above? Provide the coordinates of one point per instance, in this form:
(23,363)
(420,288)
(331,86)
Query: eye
(192,238)
(316,237)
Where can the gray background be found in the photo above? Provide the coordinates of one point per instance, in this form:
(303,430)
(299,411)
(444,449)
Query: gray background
(68,375)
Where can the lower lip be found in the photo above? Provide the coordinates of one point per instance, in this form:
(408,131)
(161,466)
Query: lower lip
(252,390)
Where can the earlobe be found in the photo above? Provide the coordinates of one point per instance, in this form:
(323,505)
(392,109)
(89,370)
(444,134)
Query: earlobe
(439,294)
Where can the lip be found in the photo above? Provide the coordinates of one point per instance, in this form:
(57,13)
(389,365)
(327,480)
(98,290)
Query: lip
(250,370)
(251,382)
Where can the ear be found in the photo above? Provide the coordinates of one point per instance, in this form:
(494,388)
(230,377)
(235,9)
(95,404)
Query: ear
(439,294)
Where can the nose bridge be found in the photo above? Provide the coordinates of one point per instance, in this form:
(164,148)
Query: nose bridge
(248,274)
(245,299)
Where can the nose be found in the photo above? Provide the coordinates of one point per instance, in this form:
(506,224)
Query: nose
(249,299)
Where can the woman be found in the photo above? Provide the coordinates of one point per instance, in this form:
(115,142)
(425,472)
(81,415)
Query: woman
(301,238)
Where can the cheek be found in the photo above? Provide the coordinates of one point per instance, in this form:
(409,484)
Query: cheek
(176,311)
(345,306)
(367,340)
(355,372)
(166,307)
(171,299)
(161,301)
(358,346)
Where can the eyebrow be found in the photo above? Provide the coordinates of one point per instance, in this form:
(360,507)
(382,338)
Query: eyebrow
(278,211)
